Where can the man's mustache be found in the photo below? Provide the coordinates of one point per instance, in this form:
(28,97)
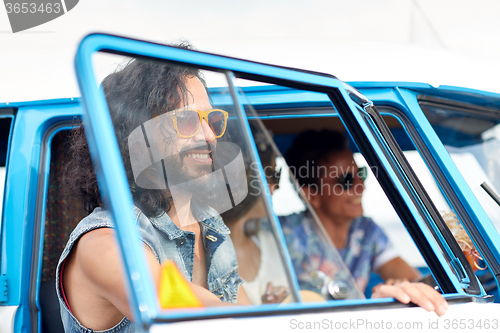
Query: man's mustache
(202,147)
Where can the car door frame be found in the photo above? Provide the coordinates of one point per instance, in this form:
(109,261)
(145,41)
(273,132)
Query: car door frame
(109,168)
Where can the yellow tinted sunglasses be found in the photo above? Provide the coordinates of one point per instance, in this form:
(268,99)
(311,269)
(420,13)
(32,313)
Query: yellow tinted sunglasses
(187,122)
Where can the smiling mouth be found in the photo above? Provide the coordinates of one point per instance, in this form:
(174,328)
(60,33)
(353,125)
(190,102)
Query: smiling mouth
(199,156)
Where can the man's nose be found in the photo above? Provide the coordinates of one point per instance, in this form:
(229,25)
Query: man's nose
(205,133)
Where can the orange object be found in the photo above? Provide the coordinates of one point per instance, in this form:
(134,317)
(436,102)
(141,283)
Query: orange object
(470,258)
(463,240)
(174,291)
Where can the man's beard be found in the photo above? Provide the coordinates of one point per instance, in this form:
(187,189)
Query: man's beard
(191,177)
(220,187)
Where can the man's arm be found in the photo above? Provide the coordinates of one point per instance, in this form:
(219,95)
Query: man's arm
(398,269)
(93,281)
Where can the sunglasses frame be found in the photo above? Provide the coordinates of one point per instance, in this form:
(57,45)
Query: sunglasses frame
(202,115)
(346,185)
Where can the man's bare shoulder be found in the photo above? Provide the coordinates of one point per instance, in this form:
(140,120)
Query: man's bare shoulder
(96,236)
(95,248)
(93,280)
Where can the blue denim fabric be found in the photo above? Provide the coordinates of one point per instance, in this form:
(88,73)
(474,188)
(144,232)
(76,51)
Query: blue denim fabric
(167,241)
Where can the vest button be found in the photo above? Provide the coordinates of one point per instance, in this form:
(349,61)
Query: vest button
(181,241)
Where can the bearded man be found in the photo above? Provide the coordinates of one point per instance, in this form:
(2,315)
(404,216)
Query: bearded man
(167,131)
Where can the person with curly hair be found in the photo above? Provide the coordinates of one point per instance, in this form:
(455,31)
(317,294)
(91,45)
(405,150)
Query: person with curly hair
(333,184)
(156,108)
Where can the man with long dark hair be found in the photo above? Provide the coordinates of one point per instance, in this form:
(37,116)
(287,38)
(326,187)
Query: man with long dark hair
(156,109)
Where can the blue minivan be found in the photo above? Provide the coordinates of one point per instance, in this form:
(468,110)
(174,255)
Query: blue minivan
(430,153)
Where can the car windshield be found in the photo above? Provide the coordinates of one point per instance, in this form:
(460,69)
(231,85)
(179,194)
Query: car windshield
(203,177)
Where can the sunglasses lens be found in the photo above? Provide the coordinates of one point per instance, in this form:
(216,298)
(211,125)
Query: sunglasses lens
(188,122)
(346,181)
(217,122)
(362,173)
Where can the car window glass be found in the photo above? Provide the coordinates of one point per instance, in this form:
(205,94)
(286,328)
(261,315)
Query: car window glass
(192,176)
(316,262)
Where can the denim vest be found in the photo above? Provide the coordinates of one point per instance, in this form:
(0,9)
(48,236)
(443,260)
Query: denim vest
(166,241)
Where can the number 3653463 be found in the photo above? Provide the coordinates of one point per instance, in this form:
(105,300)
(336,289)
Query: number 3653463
(26,7)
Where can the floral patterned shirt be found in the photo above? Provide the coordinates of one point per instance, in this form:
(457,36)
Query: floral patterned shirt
(367,248)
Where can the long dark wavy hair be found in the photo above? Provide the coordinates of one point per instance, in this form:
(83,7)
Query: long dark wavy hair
(141,90)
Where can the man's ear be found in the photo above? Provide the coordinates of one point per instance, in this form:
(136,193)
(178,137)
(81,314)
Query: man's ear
(311,195)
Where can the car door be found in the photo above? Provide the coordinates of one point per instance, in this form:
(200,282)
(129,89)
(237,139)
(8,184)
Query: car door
(115,140)
(30,247)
